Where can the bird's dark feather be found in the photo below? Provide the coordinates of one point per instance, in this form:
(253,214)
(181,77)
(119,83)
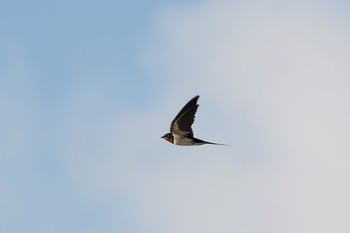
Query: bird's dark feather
(184,119)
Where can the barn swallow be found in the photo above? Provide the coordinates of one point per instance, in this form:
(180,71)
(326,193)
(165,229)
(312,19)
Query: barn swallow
(180,129)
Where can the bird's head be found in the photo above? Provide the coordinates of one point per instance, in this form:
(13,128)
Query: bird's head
(168,137)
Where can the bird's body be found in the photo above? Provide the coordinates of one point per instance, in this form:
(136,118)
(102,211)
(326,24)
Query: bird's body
(180,129)
(186,141)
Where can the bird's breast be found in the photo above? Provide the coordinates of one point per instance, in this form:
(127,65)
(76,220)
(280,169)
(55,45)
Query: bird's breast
(183,140)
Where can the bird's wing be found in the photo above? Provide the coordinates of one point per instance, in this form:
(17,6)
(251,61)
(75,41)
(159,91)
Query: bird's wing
(183,121)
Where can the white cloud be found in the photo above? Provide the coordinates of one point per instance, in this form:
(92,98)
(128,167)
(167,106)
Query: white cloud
(284,66)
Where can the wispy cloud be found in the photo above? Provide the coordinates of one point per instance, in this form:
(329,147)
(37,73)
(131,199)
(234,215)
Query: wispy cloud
(285,66)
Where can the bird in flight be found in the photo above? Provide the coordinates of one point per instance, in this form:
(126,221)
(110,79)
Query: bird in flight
(180,129)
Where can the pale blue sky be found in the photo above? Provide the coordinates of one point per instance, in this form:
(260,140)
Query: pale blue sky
(88,88)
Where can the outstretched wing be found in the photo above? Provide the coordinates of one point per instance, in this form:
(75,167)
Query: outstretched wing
(183,121)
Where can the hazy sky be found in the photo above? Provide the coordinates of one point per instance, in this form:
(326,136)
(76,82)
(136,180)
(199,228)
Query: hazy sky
(87,89)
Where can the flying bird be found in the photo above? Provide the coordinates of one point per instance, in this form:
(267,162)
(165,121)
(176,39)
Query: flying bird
(181,132)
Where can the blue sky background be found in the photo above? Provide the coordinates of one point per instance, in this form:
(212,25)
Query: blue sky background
(88,88)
